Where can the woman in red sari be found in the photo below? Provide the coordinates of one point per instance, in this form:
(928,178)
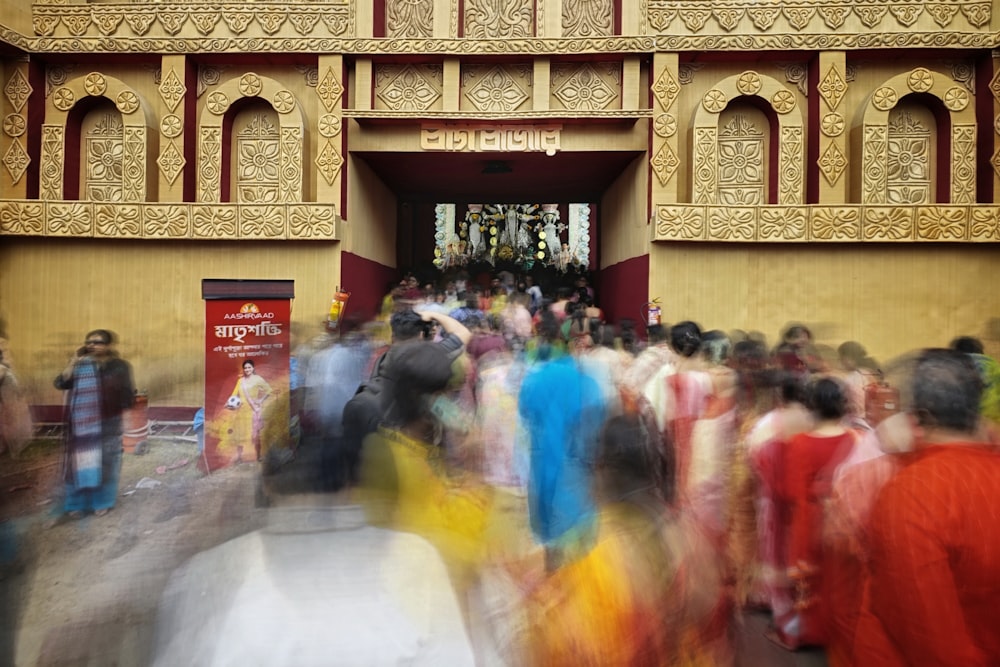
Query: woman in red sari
(810,460)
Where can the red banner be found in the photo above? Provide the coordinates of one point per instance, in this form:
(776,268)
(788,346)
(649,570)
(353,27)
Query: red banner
(246,379)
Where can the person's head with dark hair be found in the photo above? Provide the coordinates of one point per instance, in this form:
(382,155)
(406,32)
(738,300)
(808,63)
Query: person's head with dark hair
(947,389)
(715,346)
(563,293)
(685,338)
(629,460)
(749,355)
(967,345)
(418,372)
(548,326)
(606,333)
(406,325)
(793,389)
(796,336)
(827,399)
(657,333)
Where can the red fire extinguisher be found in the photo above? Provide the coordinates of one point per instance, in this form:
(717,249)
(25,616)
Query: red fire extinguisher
(652,313)
(881,401)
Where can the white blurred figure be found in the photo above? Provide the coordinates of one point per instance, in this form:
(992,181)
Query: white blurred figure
(317,586)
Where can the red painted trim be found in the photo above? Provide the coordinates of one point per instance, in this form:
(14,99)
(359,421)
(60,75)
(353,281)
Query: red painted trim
(227,158)
(35,119)
(191,138)
(984,120)
(378,19)
(616,10)
(623,289)
(367,282)
(813,138)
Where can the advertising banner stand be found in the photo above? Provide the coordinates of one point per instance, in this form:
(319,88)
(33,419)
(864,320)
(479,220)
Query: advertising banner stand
(246,369)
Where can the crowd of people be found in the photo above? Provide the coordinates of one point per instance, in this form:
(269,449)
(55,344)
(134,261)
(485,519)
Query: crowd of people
(597,500)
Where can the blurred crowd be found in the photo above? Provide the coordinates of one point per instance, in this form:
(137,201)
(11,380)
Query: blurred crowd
(494,477)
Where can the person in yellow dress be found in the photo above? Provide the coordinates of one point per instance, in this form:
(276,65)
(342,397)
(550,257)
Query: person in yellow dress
(247,404)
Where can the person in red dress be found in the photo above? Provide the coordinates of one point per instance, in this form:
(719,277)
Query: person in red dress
(934,585)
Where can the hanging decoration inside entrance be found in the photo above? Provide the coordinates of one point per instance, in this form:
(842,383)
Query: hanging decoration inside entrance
(524,235)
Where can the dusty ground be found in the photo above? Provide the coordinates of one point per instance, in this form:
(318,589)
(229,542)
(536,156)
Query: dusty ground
(84,592)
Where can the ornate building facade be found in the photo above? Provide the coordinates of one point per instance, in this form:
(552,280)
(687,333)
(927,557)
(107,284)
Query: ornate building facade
(747,162)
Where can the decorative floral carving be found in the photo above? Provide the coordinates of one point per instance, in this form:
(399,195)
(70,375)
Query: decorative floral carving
(666,89)
(884,98)
(942,223)
(270,21)
(209,161)
(871,15)
(171,89)
(498,19)
(832,88)
(890,223)
(26,218)
(705,165)
(410,88)
(763,17)
(214,222)
(587,18)
(495,90)
(748,83)
(790,177)
(171,162)
(312,222)
(218,103)
(714,101)
(63,99)
(783,101)
(984,224)
(875,156)
(284,101)
(836,224)
(264,222)
(732,224)
(956,99)
(127,101)
(329,162)
(906,14)
(680,223)
(832,124)
(118,220)
(586,90)
(782,224)
(695,19)
(329,125)
(728,17)
(664,125)
(237,21)
(290,169)
(107,22)
(963,166)
(250,84)
(16,160)
(14,125)
(51,162)
(920,80)
(329,90)
(44,25)
(798,16)
(408,19)
(172,22)
(140,22)
(941,13)
(336,23)
(665,163)
(77,24)
(834,16)
(166,221)
(18,90)
(205,22)
(303,22)
(69,219)
(978,14)
(95,84)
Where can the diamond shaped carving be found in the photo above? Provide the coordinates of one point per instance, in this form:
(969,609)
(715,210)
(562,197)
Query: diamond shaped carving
(832,88)
(172,89)
(665,164)
(329,162)
(666,90)
(585,89)
(16,160)
(832,163)
(329,90)
(408,90)
(497,91)
(17,90)
(171,163)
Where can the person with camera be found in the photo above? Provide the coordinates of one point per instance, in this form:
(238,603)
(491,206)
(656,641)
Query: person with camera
(99,389)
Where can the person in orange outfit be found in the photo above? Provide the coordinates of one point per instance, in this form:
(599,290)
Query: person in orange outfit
(934,586)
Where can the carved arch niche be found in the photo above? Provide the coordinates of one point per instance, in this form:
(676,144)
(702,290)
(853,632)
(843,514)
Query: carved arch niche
(67,107)
(784,114)
(216,113)
(955,136)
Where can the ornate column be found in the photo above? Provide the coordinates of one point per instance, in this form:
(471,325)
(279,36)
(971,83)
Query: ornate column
(331,144)
(832,157)
(995,153)
(13,142)
(173,120)
(664,150)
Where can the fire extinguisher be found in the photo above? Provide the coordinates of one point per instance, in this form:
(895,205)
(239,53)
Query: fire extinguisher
(651,313)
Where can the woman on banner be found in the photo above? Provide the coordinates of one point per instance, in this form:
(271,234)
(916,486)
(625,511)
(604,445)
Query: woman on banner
(99,388)
(247,406)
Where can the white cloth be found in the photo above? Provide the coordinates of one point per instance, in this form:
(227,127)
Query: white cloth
(316,587)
